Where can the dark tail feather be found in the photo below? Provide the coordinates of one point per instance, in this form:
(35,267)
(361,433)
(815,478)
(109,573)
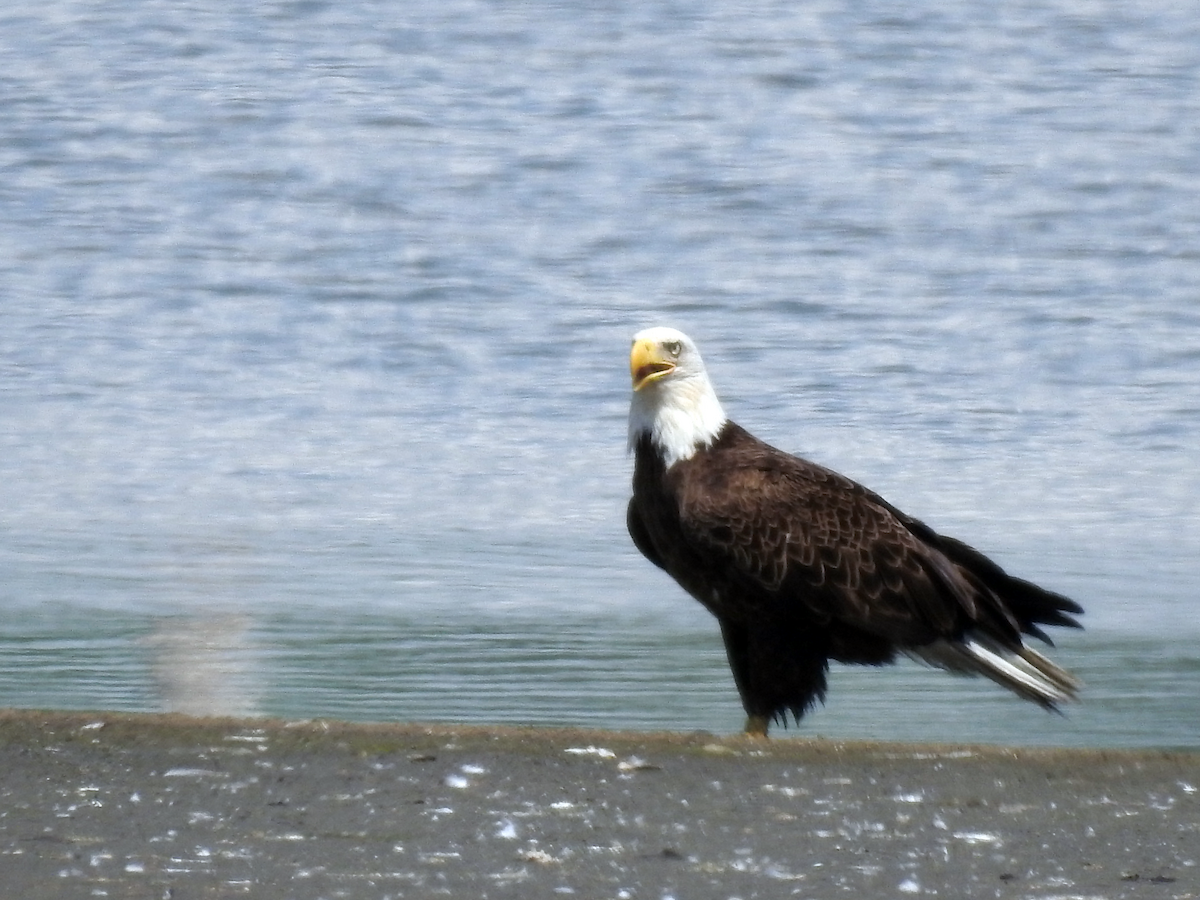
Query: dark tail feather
(1029,604)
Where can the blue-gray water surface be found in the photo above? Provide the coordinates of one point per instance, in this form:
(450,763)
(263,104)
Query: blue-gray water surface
(315,317)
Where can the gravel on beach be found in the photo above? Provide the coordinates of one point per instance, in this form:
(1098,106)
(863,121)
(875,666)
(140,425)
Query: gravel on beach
(166,806)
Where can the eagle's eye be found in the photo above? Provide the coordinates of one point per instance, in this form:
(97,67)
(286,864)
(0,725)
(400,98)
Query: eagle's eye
(672,347)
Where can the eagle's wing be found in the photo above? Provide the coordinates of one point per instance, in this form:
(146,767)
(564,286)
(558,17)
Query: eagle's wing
(806,535)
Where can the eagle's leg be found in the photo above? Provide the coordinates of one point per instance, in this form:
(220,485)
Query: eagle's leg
(736,643)
(756,726)
(778,669)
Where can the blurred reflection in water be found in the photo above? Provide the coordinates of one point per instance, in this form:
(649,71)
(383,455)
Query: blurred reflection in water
(205,665)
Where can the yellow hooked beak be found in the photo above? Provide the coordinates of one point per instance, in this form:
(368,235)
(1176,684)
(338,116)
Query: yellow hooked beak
(648,362)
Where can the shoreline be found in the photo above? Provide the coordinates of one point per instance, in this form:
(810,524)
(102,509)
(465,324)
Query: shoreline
(133,804)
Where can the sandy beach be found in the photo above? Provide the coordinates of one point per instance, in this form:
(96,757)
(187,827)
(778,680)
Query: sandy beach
(131,806)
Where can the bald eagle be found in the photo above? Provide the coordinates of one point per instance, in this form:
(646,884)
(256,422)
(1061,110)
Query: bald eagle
(801,565)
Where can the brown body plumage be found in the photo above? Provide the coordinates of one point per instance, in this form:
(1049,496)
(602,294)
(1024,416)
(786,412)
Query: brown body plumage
(801,565)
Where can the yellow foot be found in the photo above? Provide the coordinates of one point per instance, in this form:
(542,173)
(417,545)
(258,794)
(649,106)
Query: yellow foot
(756,726)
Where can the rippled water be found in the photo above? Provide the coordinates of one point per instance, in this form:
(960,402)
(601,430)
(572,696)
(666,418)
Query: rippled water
(315,320)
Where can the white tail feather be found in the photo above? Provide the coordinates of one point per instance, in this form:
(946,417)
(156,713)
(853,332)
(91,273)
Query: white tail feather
(1023,671)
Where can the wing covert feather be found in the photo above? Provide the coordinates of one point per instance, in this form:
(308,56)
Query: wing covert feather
(805,534)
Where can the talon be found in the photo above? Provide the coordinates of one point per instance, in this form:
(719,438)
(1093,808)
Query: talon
(756,726)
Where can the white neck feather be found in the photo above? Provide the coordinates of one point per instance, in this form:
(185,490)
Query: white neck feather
(681,415)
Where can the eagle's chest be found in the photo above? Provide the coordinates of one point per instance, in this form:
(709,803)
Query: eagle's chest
(696,566)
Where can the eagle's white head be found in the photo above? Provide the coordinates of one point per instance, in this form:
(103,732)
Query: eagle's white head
(673,400)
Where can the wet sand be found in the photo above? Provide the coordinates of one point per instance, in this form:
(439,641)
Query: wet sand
(154,806)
